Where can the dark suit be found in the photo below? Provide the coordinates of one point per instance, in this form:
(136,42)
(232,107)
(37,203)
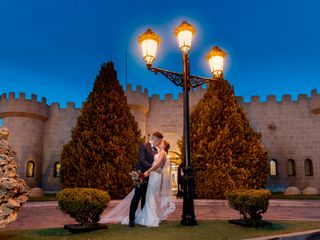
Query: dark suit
(146,156)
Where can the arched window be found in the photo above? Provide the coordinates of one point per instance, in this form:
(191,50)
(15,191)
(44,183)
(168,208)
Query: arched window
(273,167)
(30,169)
(56,169)
(308,168)
(291,167)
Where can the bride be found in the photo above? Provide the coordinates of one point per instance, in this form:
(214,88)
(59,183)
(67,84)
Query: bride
(158,203)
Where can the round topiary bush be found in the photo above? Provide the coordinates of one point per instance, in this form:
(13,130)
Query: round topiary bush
(250,203)
(85,205)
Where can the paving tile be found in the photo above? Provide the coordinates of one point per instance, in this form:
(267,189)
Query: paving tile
(48,215)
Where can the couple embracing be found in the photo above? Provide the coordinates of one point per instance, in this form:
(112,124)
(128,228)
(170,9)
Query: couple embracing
(154,196)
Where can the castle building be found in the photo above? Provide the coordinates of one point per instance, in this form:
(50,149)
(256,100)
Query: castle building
(290,132)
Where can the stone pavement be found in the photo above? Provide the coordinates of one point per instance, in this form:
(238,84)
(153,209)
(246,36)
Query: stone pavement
(47,214)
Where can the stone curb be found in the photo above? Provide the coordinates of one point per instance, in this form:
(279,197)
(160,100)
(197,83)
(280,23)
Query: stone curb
(292,236)
(295,203)
(199,202)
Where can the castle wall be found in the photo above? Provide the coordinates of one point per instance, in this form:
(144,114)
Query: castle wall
(166,116)
(290,130)
(57,132)
(296,133)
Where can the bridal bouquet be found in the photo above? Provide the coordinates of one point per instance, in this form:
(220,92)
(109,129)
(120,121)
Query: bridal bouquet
(137,178)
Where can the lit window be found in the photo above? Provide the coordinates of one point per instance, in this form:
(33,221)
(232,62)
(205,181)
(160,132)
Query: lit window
(30,169)
(291,167)
(273,168)
(308,167)
(56,169)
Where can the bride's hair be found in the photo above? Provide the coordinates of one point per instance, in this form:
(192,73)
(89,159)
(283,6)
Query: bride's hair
(167,146)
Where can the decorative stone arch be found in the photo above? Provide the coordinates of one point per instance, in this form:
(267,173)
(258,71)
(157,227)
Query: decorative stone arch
(30,169)
(56,169)
(273,163)
(291,167)
(308,167)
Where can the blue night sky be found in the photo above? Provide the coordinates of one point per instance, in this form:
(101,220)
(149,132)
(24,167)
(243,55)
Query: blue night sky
(55,48)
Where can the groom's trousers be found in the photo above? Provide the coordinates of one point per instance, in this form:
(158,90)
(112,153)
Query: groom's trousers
(139,193)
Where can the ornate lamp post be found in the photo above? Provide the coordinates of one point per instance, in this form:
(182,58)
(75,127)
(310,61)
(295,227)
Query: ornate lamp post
(149,42)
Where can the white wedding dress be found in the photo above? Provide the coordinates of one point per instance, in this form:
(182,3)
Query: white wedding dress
(158,205)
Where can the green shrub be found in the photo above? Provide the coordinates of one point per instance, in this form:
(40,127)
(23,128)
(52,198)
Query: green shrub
(250,203)
(83,204)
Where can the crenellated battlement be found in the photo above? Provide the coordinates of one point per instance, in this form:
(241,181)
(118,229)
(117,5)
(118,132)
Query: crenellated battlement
(137,98)
(137,91)
(315,102)
(10,106)
(69,106)
(286,98)
(22,97)
(195,96)
(304,104)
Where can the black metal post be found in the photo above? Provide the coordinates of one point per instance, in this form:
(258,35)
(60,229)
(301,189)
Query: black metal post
(186,123)
(186,81)
(188,216)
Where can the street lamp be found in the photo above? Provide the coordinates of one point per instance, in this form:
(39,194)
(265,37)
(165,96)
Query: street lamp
(149,42)
(215,58)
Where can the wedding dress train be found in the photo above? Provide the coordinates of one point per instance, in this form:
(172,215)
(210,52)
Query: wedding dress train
(158,205)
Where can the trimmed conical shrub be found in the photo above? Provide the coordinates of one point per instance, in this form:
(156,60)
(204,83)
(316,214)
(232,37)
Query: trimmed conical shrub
(104,144)
(226,152)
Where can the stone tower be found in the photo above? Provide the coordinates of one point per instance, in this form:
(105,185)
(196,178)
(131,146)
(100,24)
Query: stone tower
(138,102)
(25,120)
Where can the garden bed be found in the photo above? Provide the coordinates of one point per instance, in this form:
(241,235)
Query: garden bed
(77,228)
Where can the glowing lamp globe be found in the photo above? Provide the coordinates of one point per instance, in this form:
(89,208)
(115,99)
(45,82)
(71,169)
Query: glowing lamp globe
(184,32)
(149,42)
(215,58)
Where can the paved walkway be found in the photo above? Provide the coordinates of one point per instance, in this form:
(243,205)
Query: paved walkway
(48,215)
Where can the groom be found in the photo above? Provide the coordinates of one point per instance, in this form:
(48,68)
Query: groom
(146,156)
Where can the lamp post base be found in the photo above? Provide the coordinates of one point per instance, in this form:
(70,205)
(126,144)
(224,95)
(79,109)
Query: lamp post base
(189,221)
(188,216)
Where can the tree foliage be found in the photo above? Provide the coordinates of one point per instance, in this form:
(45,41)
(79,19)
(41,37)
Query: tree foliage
(104,143)
(226,152)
